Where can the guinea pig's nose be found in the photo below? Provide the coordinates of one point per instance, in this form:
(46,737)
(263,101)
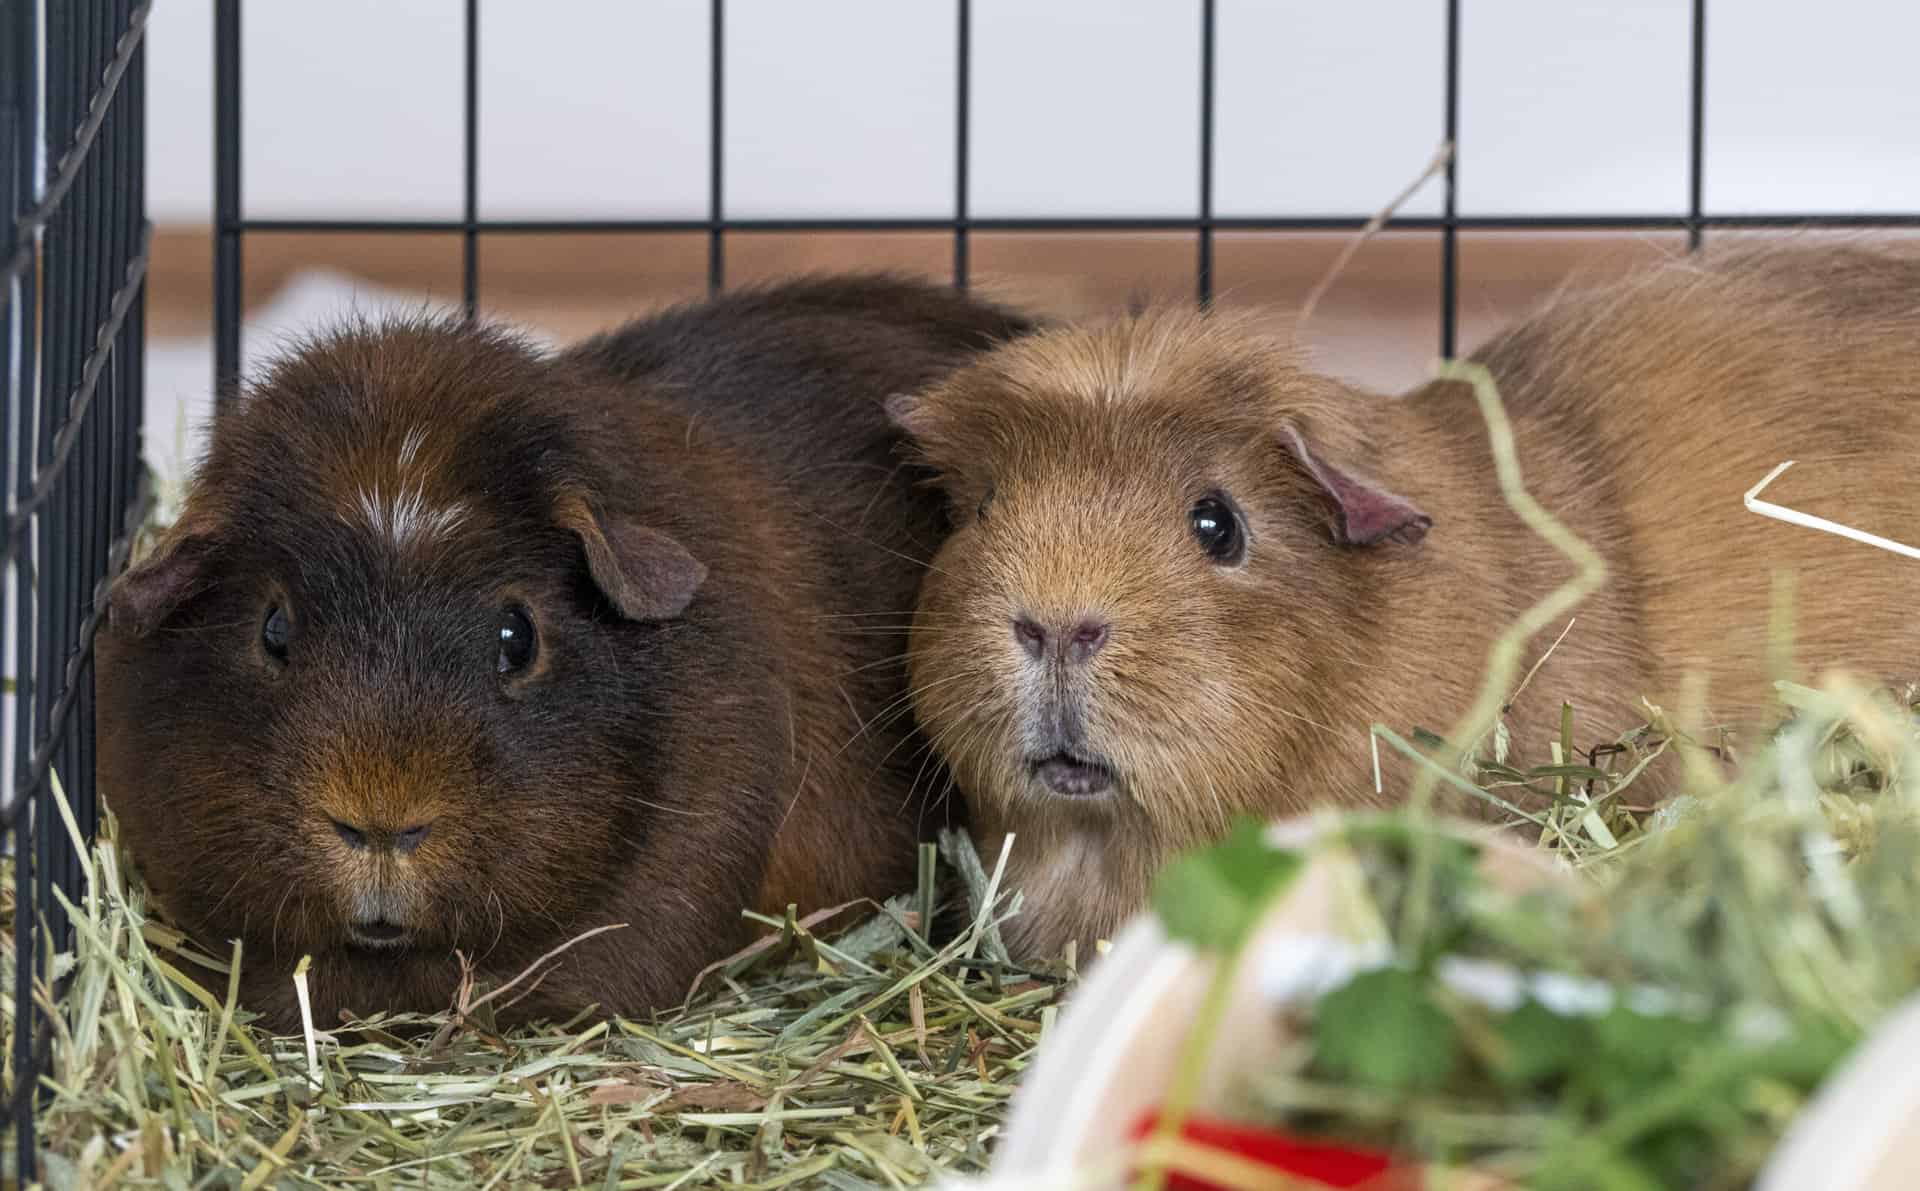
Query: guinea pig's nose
(1088,636)
(404,841)
(1031,637)
(410,838)
(1080,640)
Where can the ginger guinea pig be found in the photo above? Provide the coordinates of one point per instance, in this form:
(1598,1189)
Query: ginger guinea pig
(1187,574)
(459,646)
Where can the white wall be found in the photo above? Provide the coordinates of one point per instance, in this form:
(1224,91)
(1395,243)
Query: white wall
(598,107)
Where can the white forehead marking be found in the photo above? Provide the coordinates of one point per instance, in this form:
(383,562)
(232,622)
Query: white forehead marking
(403,516)
(410,447)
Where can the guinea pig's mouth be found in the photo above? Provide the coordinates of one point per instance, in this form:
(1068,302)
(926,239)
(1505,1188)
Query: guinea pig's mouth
(1072,776)
(378,934)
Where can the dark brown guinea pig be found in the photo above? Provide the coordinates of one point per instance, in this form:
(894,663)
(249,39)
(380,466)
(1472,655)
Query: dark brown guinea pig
(460,646)
(1187,574)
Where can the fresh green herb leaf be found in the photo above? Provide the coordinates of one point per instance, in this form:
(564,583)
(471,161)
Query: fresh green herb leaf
(1382,1029)
(1212,898)
(1539,1044)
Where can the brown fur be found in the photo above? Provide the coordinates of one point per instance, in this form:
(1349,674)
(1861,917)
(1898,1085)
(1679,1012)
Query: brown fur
(706,519)
(1642,410)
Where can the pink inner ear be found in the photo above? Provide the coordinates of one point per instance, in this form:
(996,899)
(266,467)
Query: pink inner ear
(1369,513)
(908,414)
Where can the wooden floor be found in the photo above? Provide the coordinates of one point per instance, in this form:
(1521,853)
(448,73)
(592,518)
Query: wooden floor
(1378,324)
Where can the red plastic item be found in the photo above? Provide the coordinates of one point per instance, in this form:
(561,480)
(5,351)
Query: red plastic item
(1329,1165)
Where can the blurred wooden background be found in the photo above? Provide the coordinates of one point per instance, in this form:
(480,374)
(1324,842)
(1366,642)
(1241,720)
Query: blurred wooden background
(1378,323)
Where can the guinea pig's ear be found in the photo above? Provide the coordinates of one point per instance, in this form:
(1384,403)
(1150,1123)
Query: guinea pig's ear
(644,573)
(1368,514)
(178,569)
(909,414)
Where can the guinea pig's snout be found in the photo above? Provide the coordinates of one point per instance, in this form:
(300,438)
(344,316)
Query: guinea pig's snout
(379,917)
(365,838)
(1071,639)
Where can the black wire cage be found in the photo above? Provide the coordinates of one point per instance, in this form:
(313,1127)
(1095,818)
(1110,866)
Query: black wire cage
(72,164)
(231,223)
(75,251)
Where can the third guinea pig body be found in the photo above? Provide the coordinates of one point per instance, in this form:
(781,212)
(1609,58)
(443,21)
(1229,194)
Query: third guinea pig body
(1187,574)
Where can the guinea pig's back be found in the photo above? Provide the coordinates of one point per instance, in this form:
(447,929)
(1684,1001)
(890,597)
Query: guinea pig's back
(796,375)
(1685,386)
(791,381)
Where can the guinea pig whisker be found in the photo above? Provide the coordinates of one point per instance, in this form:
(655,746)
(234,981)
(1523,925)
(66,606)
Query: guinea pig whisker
(664,809)
(888,721)
(897,659)
(924,564)
(927,756)
(496,910)
(936,802)
(924,747)
(906,616)
(218,626)
(244,874)
(1250,700)
(971,736)
(277,911)
(901,705)
(880,489)
(799,788)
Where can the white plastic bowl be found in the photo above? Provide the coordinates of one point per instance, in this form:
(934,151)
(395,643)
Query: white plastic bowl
(1112,1054)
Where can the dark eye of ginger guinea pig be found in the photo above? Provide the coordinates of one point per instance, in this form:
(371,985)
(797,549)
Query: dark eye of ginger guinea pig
(456,646)
(1187,575)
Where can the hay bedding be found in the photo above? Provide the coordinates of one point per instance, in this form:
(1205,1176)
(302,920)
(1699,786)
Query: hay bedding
(865,1056)
(868,1060)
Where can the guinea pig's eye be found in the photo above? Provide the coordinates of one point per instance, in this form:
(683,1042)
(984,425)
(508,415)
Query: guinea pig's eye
(516,640)
(986,499)
(1217,528)
(275,632)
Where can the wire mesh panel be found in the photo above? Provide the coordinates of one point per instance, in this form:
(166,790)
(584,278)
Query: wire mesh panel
(231,223)
(74,247)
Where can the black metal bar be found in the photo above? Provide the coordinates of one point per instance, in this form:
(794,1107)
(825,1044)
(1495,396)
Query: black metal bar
(24,918)
(85,248)
(962,138)
(35,495)
(1696,128)
(59,711)
(21,75)
(1449,219)
(470,240)
(71,94)
(228,272)
(75,154)
(1204,269)
(716,152)
(45,572)
(1095,223)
